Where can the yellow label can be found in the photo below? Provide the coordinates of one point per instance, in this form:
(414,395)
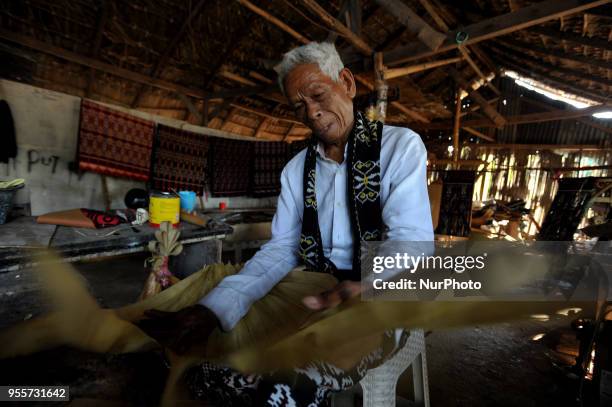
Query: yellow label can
(164,207)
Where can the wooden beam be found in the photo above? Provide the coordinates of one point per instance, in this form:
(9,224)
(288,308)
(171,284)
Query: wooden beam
(191,108)
(521,19)
(98,65)
(573,38)
(262,124)
(204,121)
(415,24)
(336,25)
(478,134)
(407,70)
(554,53)
(427,4)
(288,133)
(162,61)
(275,21)
(265,114)
(355,16)
(561,114)
(476,107)
(488,110)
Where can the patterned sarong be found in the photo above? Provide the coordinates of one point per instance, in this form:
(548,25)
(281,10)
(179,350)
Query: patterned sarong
(268,162)
(180,160)
(230,167)
(114,143)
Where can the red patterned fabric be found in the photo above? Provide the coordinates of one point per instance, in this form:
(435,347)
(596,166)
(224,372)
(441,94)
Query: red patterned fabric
(268,163)
(180,160)
(102,219)
(230,167)
(114,143)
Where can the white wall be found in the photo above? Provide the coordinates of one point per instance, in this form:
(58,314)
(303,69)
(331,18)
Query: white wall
(46,124)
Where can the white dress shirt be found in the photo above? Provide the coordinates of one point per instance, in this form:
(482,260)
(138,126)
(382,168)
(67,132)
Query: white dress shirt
(405,212)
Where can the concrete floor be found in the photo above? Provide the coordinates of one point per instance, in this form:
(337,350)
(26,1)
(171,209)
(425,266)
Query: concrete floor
(478,366)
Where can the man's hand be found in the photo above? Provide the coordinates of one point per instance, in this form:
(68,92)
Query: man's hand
(180,330)
(334,297)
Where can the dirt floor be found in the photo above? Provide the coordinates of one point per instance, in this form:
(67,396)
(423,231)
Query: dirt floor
(478,366)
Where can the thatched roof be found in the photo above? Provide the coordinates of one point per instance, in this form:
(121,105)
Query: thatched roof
(178,58)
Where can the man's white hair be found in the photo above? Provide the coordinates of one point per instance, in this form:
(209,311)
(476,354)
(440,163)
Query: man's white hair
(323,54)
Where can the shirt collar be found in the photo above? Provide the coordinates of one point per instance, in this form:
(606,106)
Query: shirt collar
(321,152)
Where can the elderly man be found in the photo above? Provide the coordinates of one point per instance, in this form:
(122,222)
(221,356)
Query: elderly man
(357,181)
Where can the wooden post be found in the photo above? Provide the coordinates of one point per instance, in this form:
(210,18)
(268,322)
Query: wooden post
(456,126)
(105,193)
(381,87)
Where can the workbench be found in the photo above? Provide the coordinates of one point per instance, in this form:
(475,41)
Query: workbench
(22,238)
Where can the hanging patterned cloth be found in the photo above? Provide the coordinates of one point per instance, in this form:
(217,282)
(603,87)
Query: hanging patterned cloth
(180,160)
(230,165)
(269,158)
(363,164)
(114,143)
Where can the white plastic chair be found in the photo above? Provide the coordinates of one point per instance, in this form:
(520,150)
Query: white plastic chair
(379,384)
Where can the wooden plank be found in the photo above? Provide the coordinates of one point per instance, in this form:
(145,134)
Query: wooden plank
(525,17)
(99,65)
(488,110)
(407,70)
(275,21)
(573,38)
(336,25)
(415,24)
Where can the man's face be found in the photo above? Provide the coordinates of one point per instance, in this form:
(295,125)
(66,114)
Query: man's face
(323,105)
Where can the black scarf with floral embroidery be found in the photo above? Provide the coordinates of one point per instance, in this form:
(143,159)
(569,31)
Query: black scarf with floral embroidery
(363,189)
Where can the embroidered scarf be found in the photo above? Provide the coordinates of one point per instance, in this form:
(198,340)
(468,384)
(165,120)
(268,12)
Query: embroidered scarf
(363,189)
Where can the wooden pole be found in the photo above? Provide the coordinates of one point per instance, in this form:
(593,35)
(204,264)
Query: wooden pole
(407,70)
(269,17)
(491,113)
(487,29)
(336,25)
(456,125)
(415,24)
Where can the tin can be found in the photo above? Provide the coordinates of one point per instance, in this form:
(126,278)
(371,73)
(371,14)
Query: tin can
(164,207)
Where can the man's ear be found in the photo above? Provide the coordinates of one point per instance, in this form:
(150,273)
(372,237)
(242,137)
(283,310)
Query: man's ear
(347,80)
